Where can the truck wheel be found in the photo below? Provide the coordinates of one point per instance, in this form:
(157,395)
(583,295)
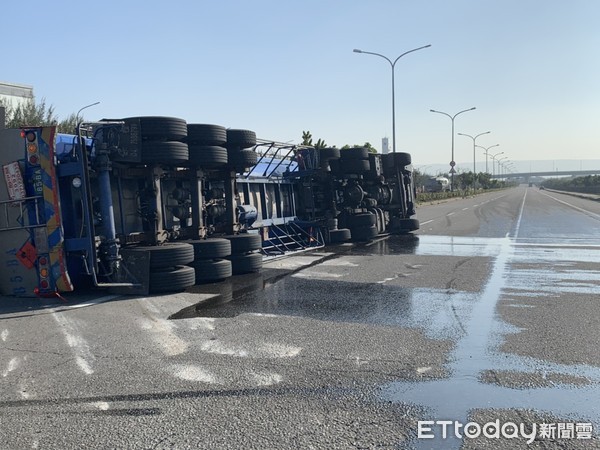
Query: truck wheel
(168,255)
(212,270)
(204,134)
(242,159)
(329,153)
(361,220)
(207,156)
(161,128)
(341,235)
(210,248)
(390,161)
(171,280)
(362,234)
(247,263)
(168,153)
(240,138)
(243,243)
(355,153)
(408,225)
(332,224)
(354,165)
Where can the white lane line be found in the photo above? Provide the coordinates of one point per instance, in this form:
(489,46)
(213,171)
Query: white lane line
(102,406)
(83,356)
(96,301)
(163,334)
(520,217)
(12,365)
(426,222)
(585,211)
(4,335)
(385,280)
(450,214)
(464,209)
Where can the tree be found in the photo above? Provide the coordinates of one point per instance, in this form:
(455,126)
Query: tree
(307,139)
(32,114)
(366,145)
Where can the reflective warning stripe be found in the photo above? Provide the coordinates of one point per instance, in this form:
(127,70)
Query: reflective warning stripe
(54,229)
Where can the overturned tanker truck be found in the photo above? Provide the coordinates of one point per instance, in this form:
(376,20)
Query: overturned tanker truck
(152,204)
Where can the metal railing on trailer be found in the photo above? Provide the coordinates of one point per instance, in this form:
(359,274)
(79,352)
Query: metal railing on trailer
(279,163)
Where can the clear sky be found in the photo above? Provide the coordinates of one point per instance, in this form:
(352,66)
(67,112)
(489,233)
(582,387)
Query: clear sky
(531,68)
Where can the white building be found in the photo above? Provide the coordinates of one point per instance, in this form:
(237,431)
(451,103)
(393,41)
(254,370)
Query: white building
(14,94)
(385,146)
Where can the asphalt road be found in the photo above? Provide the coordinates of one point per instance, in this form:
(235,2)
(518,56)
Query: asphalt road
(488,313)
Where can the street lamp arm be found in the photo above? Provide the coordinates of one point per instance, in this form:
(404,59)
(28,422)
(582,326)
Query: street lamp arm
(376,54)
(441,112)
(410,51)
(460,112)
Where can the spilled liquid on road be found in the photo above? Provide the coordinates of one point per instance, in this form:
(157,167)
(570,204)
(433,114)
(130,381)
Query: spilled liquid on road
(320,291)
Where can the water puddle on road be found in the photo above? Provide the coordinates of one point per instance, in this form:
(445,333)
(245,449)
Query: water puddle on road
(476,352)
(521,269)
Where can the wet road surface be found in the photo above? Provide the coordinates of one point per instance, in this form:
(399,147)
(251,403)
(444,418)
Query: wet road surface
(490,312)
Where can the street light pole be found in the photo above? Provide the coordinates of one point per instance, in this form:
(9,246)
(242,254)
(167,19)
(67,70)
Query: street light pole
(498,161)
(393,65)
(452,162)
(494,162)
(486,154)
(474,159)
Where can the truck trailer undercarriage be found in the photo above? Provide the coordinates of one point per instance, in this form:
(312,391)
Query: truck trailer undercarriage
(154,204)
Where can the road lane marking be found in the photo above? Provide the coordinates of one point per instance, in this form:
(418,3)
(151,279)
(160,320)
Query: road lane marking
(83,356)
(585,211)
(96,301)
(450,214)
(194,373)
(102,406)
(265,378)
(518,226)
(464,209)
(426,222)
(4,335)
(164,336)
(12,365)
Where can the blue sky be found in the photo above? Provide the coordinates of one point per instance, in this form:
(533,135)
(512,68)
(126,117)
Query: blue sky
(531,68)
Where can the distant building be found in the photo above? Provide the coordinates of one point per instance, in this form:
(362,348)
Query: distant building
(15,94)
(385,146)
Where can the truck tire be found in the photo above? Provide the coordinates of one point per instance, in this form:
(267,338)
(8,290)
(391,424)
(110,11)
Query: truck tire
(243,243)
(240,138)
(207,156)
(408,225)
(247,263)
(167,153)
(212,270)
(155,128)
(354,166)
(365,233)
(210,248)
(168,255)
(332,224)
(172,280)
(355,153)
(242,159)
(362,220)
(340,235)
(329,153)
(205,134)
(390,161)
